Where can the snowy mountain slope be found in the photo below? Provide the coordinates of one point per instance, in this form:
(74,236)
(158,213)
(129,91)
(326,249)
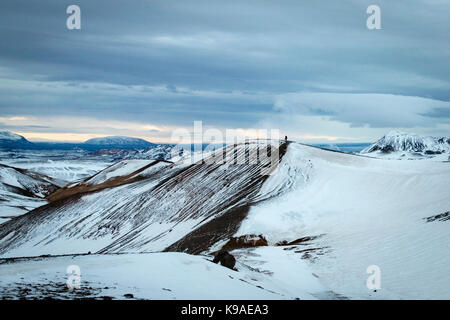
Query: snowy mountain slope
(156,210)
(29,183)
(70,166)
(9,136)
(118,174)
(11,140)
(359,212)
(401,145)
(21,191)
(120,169)
(13,204)
(62,172)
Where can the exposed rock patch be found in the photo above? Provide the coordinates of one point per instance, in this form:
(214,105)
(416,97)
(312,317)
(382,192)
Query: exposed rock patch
(440,217)
(246,241)
(225,259)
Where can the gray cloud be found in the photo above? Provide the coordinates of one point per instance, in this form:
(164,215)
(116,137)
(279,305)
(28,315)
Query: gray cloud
(359,110)
(226,63)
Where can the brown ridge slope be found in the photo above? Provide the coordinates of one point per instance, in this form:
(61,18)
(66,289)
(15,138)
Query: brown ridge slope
(81,188)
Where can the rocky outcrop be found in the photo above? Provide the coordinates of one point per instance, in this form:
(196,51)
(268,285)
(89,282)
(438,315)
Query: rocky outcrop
(225,259)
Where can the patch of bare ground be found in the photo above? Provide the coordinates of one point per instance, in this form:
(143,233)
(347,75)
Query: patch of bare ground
(330,295)
(312,254)
(304,246)
(252,240)
(245,241)
(47,289)
(440,217)
(303,241)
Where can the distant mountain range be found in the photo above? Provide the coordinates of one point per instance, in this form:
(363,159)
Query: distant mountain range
(9,140)
(394,145)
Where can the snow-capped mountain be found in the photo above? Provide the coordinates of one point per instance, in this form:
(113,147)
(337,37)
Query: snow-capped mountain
(6,135)
(309,230)
(401,145)
(119,142)
(9,140)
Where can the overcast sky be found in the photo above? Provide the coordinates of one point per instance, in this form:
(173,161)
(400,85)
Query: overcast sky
(145,68)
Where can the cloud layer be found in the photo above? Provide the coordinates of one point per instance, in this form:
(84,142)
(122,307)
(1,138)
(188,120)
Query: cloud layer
(313,67)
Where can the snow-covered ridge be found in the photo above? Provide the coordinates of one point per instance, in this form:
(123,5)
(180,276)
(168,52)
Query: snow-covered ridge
(361,211)
(6,135)
(121,169)
(397,144)
(11,140)
(21,191)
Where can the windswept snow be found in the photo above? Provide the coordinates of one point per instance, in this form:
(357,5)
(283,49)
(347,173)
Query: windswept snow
(120,169)
(363,212)
(22,191)
(261,275)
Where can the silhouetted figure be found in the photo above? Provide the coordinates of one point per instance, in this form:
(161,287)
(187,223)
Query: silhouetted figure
(285,138)
(225,259)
